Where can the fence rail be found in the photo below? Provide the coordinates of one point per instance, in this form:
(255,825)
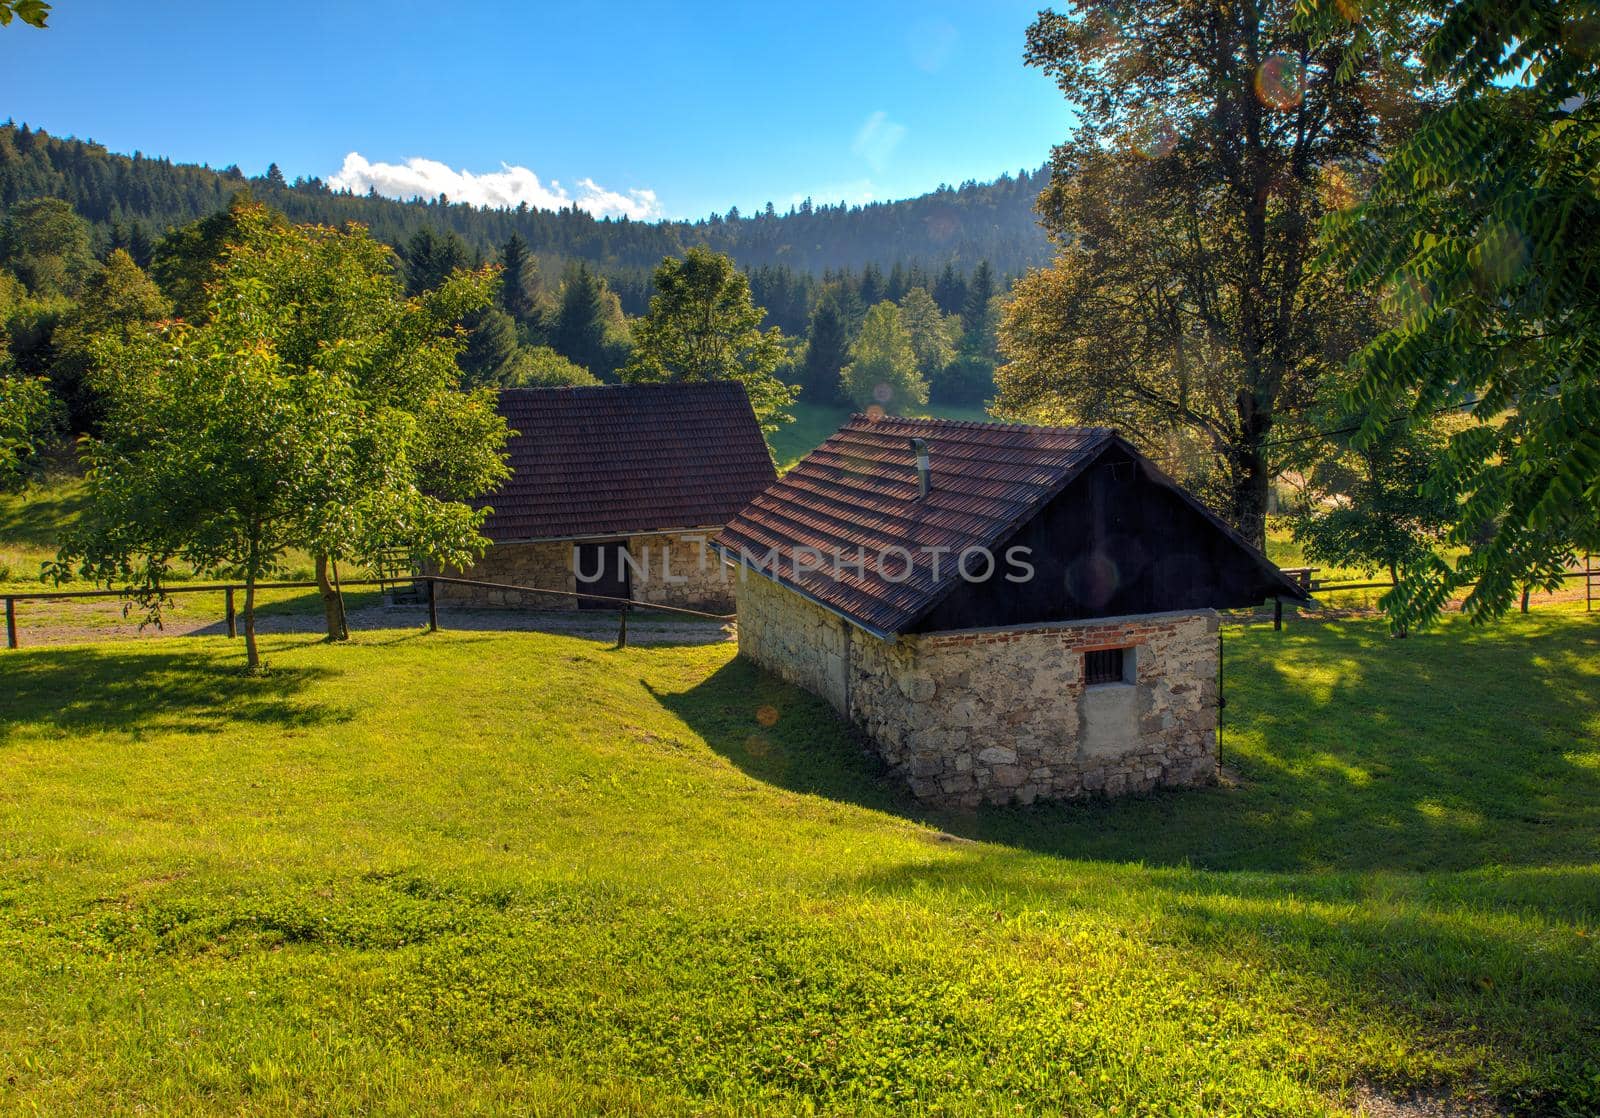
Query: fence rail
(624,605)
(1303,575)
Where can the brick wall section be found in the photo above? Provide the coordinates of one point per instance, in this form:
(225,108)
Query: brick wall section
(987,716)
(693,577)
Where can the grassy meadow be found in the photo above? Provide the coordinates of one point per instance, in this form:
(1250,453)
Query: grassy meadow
(490,873)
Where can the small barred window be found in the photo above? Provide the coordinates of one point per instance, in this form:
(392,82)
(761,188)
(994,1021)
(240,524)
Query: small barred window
(1104,665)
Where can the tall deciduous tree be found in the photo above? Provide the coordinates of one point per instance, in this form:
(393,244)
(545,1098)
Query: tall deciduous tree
(703,326)
(932,335)
(1482,234)
(1184,209)
(883,368)
(29,418)
(46,244)
(313,406)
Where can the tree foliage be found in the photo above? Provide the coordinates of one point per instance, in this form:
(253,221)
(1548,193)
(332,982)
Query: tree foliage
(1184,208)
(313,406)
(117,302)
(703,327)
(29,421)
(1481,236)
(883,372)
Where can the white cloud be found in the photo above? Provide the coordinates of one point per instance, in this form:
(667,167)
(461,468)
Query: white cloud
(505,188)
(877,138)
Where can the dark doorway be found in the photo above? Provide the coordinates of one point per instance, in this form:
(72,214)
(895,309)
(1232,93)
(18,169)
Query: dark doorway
(601,570)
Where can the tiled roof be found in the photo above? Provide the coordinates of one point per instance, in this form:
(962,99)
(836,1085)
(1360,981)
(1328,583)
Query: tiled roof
(859,489)
(613,460)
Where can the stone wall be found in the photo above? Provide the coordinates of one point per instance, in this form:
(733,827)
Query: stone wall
(1002,716)
(796,640)
(681,570)
(675,570)
(520,564)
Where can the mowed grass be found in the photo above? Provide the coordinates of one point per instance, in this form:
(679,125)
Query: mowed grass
(813,423)
(474,873)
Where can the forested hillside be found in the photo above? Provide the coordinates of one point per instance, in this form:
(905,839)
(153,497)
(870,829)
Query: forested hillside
(132,200)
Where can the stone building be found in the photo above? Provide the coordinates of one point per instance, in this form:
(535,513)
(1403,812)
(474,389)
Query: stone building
(1010,613)
(616,491)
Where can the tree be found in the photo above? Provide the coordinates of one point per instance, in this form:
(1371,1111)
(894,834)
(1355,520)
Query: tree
(950,291)
(589,329)
(1211,138)
(187,259)
(882,373)
(519,281)
(703,327)
(46,244)
(313,406)
(931,335)
(275,177)
(34,12)
(491,347)
(827,352)
(29,420)
(1481,234)
(431,258)
(1368,505)
(978,313)
(542,367)
(117,302)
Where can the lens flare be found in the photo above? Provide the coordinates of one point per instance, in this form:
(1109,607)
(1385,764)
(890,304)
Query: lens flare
(1280,82)
(875,412)
(767,716)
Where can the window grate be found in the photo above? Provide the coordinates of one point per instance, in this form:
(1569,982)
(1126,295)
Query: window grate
(1103,666)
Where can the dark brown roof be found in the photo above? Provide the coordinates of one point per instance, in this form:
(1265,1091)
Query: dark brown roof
(613,460)
(859,490)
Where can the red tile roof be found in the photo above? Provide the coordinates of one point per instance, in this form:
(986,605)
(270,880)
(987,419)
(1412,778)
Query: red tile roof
(859,489)
(615,460)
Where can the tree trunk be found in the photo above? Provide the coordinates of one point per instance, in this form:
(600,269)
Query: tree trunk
(252,656)
(1250,492)
(1526,590)
(332,602)
(1398,627)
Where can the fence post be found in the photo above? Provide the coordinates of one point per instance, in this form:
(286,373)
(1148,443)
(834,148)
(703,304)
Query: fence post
(622,629)
(433,606)
(233,626)
(11,622)
(1277,613)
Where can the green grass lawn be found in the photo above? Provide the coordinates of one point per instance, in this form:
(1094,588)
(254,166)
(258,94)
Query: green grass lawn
(476,873)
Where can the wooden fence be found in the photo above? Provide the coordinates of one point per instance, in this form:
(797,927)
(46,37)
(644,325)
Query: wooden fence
(228,590)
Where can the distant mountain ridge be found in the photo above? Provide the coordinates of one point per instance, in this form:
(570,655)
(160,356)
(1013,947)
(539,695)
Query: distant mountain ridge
(138,198)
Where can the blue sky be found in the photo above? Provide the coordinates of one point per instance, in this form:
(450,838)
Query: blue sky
(661,109)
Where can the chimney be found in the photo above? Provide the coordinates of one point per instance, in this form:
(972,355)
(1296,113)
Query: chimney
(919,447)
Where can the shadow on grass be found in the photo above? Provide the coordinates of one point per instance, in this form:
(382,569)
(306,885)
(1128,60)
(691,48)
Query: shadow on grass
(1456,750)
(86,689)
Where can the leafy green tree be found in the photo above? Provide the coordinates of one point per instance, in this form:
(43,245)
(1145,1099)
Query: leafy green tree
(1209,137)
(313,406)
(542,367)
(34,12)
(967,379)
(703,326)
(883,368)
(1481,235)
(932,335)
(29,422)
(1369,506)
(119,301)
(188,258)
(827,352)
(46,244)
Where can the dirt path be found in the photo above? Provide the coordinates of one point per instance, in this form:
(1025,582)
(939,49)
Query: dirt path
(91,622)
